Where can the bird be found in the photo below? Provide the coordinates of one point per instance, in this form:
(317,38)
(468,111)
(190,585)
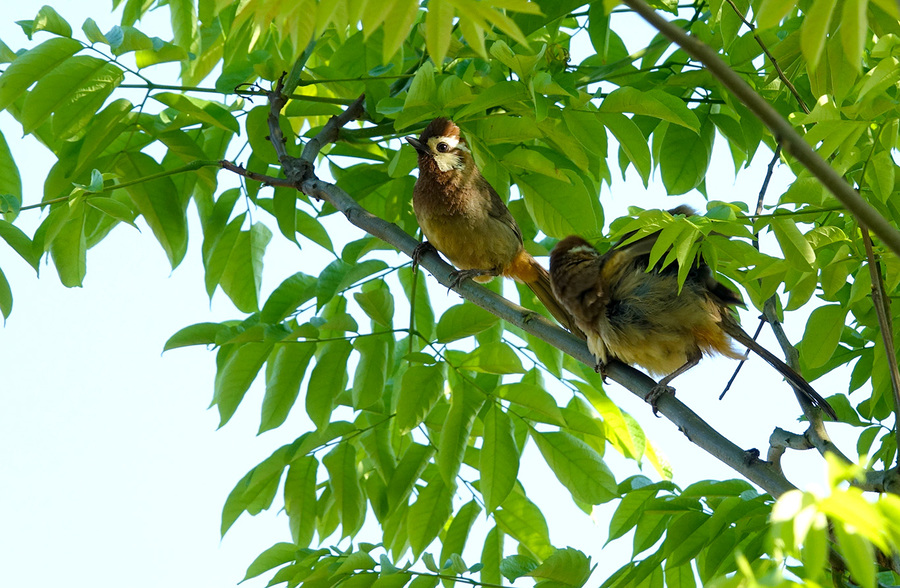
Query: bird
(463,217)
(637,314)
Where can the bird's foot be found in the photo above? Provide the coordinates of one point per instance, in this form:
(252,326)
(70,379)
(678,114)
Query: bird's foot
(420,250)
(600,368)
(457,277)
(657,392)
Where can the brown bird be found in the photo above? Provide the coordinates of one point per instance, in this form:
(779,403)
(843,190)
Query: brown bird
(463,217)
(639,316)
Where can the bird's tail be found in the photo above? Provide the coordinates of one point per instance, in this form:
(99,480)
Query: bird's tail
(793,378)
(527,270)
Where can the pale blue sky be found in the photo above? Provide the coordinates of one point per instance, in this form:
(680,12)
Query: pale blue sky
(112,470)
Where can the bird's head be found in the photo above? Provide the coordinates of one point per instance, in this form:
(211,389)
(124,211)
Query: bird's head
(573,270)
(573,249)
(441,144)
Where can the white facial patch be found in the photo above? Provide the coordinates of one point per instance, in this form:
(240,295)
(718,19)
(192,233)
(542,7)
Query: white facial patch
(445,151)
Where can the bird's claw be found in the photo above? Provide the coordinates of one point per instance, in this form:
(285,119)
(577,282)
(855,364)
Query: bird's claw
(657,392)
(420,250)
(600,368)
(457,277)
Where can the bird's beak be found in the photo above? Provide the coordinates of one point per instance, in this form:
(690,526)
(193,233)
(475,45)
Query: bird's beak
(417,145)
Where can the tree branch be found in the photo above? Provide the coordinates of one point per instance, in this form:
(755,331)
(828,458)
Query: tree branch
(695,429)
(771,57)
(781,129)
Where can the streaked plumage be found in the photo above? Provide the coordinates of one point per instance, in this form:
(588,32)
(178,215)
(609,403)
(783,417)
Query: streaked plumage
(639,317)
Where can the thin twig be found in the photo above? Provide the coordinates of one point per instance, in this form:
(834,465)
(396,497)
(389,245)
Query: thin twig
(881,304)
(771,57)
(780,128)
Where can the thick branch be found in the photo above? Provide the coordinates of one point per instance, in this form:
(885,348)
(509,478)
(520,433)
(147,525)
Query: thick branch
(781,129)
(696,429)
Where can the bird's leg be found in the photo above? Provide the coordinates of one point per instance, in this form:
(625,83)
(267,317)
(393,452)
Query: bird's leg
(420,250)
(662,387)
(459,275)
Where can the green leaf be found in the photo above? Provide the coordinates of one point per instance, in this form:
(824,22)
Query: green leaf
(535,398)
(205,111)
(568,566)
(858,553)
(822,334)
(524,522)
(285,369)
(300,499)
(684,157)
(10,182)
(561,208)
(499,463)
(796,248)
(502,93)
(344,481)
(95,82)
(287,297)
(631,140)
(198,334)
(340,275)
(104,128)
(493,358)
(652,103)
(438,29)
(93,32)
(241,278)
(465,402)
(256,490)
(69,248)
(516,566)
(125,39)
(158,201)
(853,29)
(72,93)
(880,175)
(578,466)
(398,21)
(408,471)
(49,20)
(879,78)
(772,11)
(359,560)
(813,31)
(377,302)
(420,388)
(328,379)
(455,538)
(20,242)
(313,230)
(6,299)
(34,64)
(464,320)
(113,208)
(277,555)
(429,513)
(233,379)
(414,287)
(371,371)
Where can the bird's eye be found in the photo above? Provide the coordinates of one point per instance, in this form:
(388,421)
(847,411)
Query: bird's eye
(443,147)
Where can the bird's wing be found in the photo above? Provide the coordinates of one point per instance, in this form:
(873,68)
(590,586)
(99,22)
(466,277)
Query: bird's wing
(499,211)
